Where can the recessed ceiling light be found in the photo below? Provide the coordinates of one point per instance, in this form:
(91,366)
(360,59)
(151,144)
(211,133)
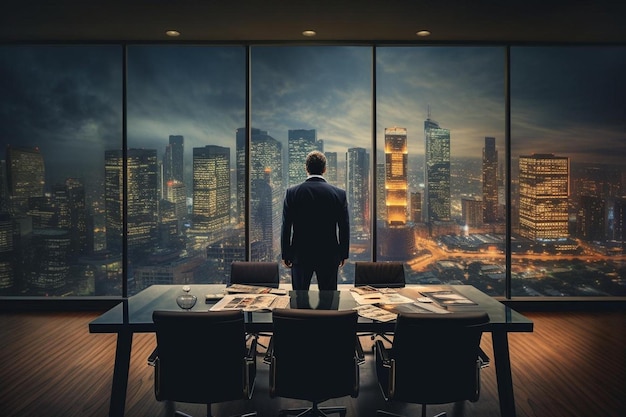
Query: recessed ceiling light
(423,33)
(309,33)
(172,33)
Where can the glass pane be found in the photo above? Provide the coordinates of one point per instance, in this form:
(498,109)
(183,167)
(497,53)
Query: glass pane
(304,99)
(568,167)
(440,166)
(185,104)
(61,108)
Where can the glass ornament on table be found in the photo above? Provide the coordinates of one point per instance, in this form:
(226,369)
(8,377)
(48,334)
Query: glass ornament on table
(186,301)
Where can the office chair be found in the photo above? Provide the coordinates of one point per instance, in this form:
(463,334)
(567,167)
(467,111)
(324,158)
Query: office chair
(435,359)
(379,275)
(262,274)
(313,358)
(192,366)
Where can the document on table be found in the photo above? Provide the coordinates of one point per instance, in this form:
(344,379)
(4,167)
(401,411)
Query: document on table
(380,298)
(254,289)
(251,302)
(375,313)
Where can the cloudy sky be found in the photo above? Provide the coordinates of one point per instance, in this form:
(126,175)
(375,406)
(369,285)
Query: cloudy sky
(67,100)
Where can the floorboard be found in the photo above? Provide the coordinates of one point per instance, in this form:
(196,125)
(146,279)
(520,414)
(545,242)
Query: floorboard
(573,364)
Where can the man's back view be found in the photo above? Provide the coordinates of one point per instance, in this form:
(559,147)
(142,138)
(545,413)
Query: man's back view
(315,230)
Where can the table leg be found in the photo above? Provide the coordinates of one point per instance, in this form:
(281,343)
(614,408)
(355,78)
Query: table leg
(503,373)
(120,374)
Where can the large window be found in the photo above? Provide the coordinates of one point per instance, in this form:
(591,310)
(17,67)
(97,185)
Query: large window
(115,178)
(186,109)
(440,177)
(61,108)
(305,99)
(568,151)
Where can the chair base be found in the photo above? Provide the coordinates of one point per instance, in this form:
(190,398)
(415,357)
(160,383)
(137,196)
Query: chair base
(313,411)
(209,414)
(387,413)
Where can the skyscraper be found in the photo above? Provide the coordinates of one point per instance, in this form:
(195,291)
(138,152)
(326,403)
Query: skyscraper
(437,175)
(331,169)
(174,167)
(396,176)
(266,194)
(543,194)
(357,189)
(211,191)
(490,181)
(142,199)
(25,176)
(300,143)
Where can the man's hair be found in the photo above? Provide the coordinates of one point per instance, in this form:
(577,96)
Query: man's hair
(315,163)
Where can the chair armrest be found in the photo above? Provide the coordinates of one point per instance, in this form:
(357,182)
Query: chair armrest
(154,357)
(483,359)
(382,353)
(358,350)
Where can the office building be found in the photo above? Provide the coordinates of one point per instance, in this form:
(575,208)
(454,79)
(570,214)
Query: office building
(490,181)
(543,194)
(141,199)
(300,142)
(472,212)
(25,176)
(331,169)
(357,189)
(396,184)
(437,172)
(211,191)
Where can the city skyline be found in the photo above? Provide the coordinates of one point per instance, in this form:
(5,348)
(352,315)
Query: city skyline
(198,92)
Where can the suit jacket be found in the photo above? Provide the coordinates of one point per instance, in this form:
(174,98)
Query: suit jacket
(315,223)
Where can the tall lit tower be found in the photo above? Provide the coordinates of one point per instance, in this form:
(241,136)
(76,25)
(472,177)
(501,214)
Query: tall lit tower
(266,194)
(357,189)
(142,199)
(437,175)
(490,181)
(300,143)
(25,176)
(543,194)
(211,190)
(331,169)
(396,176)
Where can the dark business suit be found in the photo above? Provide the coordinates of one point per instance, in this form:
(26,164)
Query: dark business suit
(315,232)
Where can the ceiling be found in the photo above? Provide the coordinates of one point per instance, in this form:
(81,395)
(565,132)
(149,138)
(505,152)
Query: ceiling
(490,21)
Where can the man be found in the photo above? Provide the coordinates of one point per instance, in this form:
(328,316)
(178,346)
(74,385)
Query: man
(315,231)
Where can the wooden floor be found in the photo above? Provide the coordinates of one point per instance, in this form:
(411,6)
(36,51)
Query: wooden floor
(573,364)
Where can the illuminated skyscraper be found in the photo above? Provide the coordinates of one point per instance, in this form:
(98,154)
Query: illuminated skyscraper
(437,175)
(396,177)
(211,191)
(173,159)
(331,169)
(176,193)
(266,194)
(490,181)
(591,224)
(472,212)
(300,143)
(543,194)
(142,199)
(357,189)
(25,176)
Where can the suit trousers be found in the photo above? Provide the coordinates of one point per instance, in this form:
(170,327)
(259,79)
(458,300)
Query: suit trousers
(326,273)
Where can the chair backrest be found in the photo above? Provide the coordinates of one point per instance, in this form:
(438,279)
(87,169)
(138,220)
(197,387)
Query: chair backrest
(379,274)
(314,354)
(200,356)
(436,357)
(263,274)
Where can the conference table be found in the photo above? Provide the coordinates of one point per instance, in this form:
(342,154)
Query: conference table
(134,315)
